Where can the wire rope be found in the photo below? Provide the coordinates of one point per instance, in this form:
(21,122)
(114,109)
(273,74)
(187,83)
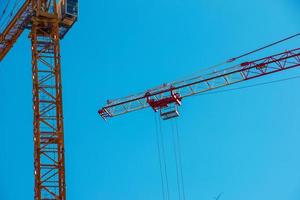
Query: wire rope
(264,47)
(164,159)
(175,148)
(236,58)
(180,159)
(3,14)
(10,15)
(4,10)
(159,156)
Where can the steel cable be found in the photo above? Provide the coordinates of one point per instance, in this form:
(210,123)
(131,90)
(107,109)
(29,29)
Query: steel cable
(164,159)
(4,10)
(10,15)
(180,159)
(191,76)
(175,148)
(264,47)
(159,156)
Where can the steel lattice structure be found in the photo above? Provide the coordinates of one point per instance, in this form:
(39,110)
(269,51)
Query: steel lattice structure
(48,115)
(15,28)
(169,95)
(48,22)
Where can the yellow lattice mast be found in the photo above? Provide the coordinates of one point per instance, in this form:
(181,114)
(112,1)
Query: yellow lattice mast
(48,22)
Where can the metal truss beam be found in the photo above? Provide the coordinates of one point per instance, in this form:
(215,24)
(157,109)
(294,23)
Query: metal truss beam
(203,83)
(15,28)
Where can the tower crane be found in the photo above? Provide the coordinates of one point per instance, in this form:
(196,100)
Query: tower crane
(168,97)
(48,22)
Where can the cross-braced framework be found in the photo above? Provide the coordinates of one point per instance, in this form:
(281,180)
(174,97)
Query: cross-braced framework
(48,21)
(165,95)
(48,115)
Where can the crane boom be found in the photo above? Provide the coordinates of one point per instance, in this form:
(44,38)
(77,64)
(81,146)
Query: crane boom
(169,95)
(15,28)
(23,20)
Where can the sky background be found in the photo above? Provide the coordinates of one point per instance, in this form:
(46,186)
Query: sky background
(243,143)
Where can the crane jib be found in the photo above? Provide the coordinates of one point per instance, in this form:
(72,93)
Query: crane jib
(163,97)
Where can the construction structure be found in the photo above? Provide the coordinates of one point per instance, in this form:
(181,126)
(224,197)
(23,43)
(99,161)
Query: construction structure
(168,97)
(48,22)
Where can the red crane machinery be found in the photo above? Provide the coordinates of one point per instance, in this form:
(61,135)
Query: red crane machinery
(48,22)
(168,97)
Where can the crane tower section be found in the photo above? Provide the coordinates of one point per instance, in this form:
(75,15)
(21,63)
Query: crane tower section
(48,22)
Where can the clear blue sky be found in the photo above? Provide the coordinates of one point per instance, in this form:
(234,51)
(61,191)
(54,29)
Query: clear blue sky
(245,144)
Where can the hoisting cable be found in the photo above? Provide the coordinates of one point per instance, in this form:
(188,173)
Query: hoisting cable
(159,157)
(180,159)
(162,159)
(175,148)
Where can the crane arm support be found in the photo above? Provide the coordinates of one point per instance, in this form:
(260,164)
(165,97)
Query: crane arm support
(165,95)
(15,28)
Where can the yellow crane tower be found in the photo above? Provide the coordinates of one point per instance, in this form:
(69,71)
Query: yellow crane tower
(48,22)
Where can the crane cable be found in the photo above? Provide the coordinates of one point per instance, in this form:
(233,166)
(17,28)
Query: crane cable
(177,164)
(162,158)
(9,17)
(4,10)
(238,57)
(159,157)
(178,158)
(264,47)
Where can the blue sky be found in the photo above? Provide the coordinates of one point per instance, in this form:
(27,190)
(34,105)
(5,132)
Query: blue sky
(243,143)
